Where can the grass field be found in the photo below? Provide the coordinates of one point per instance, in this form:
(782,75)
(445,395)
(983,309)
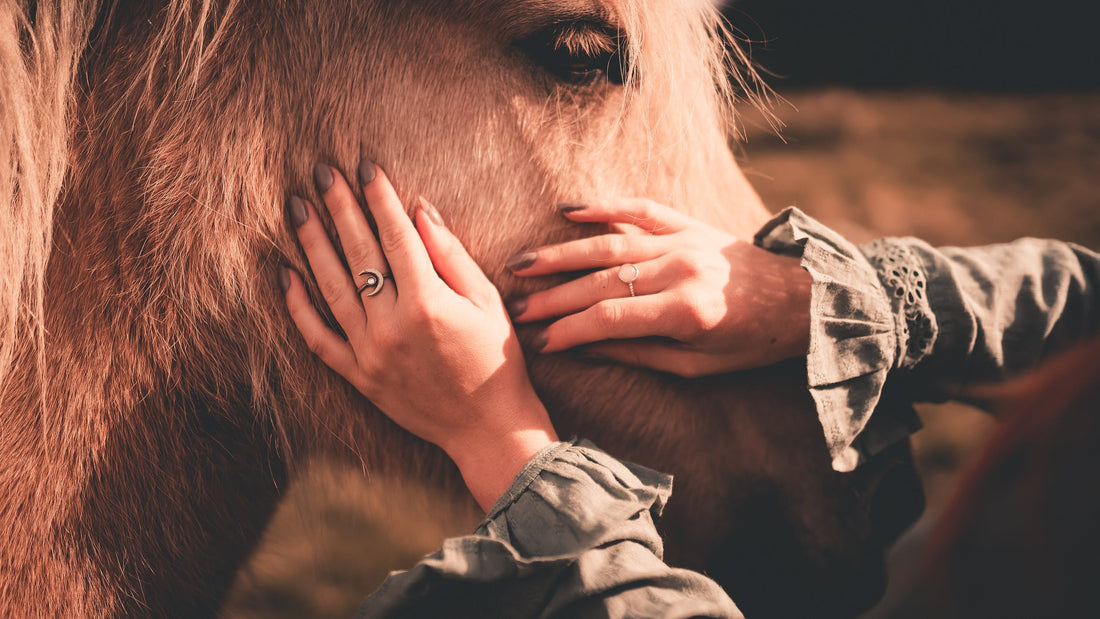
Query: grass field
(952,169)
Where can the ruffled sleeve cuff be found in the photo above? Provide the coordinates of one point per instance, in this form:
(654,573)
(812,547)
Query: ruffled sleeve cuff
(572,496)
(575,527)
(853,336)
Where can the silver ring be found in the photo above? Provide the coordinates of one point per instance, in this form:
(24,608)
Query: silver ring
(374,282)
(627,274)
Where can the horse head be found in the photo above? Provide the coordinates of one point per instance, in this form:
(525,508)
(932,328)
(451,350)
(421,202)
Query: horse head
(156,397)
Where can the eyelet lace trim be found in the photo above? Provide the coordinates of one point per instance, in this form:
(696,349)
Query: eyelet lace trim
(902,275)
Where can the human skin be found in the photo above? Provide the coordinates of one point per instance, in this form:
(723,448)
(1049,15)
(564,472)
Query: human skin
(707,302)
(434,348)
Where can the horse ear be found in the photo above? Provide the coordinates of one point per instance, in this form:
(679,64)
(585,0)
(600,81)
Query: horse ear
(39,63)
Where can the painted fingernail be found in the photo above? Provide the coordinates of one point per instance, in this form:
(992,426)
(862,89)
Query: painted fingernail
(571,207)
(516,307)
(521,261)
(322,175)
(299,214)
(539,341)
(284,277)
(431,212)
(366,172)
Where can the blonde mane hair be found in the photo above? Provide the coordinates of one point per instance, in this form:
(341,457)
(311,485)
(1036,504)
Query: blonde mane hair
(39,61)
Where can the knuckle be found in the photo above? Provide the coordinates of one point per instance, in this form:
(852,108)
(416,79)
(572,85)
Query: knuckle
(697,315)
(333,291)
(608,246)
(311,240)
(421,316)
(607,315)
(393,238)
(605,278)
(649,210)
(359,254)
(373,371)
(688,262)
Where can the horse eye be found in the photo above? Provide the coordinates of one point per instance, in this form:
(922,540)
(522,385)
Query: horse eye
(578,52)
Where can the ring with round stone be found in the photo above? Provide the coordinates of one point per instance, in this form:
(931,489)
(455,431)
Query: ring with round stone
(373,283)
(627,274)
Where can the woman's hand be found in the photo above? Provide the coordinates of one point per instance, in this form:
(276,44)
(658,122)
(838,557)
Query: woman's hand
(430,343)
(706,301)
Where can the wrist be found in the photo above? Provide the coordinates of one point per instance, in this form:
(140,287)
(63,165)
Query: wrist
(798,311)
(489,458)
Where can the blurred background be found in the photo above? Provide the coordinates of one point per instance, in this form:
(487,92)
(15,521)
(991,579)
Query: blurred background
(961,123)
(1006,46)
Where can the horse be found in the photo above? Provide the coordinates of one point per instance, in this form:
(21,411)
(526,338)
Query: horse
(155,397)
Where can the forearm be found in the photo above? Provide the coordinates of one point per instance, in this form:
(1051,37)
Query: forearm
(990,312)
(940,319)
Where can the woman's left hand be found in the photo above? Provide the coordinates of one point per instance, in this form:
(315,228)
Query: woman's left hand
(699,301)
(428,342)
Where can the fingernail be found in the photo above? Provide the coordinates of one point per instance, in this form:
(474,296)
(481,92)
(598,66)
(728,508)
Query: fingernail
(539,341)
(298,212)
(521,261)
(322,175)
(516,307)
(431,212)
(366,171)
(284,277)
(571,207)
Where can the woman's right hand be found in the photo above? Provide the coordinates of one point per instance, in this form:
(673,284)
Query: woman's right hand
(707,302)
(434,348)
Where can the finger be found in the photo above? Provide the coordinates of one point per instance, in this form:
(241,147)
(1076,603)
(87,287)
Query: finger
(660,356)
(582,293)
(450,258)
(329,272)
(589,253)
(360,247)
(412,268)
(322,341)
(641,212)
(614,319)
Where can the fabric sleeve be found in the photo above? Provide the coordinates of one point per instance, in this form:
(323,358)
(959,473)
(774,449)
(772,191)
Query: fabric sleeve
(853,338)
(574,536)
(897,321)
(990,312)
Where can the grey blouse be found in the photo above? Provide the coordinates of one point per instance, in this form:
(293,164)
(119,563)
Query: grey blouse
(932,320)
(574,536)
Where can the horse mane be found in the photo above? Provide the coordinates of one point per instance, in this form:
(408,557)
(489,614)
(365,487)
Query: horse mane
(40,49)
